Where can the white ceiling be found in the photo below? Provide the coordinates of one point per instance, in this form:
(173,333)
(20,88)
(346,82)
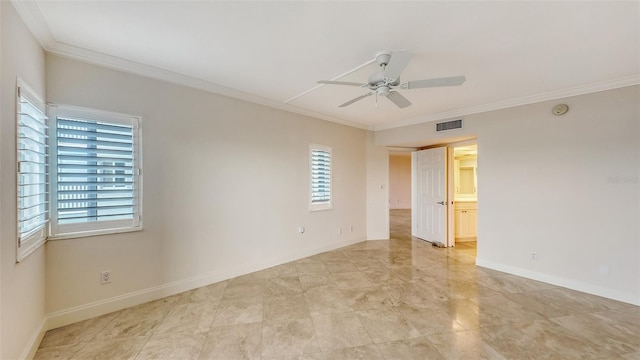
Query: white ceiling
(512,53)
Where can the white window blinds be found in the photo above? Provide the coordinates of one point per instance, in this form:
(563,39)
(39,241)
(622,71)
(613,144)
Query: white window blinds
(320,160)
(97,174)
(33,179)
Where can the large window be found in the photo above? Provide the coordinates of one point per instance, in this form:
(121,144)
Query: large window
(320,170)
(32,160)
(96,173)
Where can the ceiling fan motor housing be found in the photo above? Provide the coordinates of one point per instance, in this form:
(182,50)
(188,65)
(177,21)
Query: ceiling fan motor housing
(383,58)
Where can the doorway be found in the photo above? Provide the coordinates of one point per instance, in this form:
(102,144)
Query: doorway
(449,216)
(464,170)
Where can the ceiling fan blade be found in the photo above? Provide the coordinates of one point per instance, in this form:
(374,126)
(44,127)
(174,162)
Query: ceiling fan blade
(329,82)
(399,60)
(398,99)
(356,99)
(446,81)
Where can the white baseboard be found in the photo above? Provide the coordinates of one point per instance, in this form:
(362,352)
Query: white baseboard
(567,283)
(378,236)
(33,344)
(101,307)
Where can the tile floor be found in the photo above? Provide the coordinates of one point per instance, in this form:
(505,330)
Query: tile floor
(394,299)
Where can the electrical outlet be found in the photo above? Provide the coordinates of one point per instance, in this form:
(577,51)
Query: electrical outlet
(105,277)
(339,231)
(534,256)
(351,228)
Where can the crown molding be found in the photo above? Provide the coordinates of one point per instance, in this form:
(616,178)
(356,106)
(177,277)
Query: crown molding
(132,67)
(30,13)
(525,100)
(33,18)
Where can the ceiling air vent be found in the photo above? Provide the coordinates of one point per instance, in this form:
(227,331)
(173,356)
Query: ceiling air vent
(449,125)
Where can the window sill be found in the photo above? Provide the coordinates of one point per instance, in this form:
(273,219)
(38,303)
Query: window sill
(320,207)
(90,233)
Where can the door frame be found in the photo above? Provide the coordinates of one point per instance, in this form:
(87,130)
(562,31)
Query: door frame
(451,231)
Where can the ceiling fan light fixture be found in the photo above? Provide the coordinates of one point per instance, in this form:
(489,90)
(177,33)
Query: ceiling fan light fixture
(383,91)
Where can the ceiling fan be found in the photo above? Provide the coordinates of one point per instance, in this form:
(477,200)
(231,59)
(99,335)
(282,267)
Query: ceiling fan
(383,82)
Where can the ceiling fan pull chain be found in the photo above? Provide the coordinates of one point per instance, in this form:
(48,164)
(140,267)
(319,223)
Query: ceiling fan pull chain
(376,99)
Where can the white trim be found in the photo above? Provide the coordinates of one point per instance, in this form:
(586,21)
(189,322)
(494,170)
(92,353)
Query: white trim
(563,282)
(34,341)
(101,307)
(30,13)
(326,205)
(525,100)
(33,240)
(77,230)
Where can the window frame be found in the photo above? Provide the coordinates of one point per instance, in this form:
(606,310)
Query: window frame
(324,205)
(37,237)
(104,227)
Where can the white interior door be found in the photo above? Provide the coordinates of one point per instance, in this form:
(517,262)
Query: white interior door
(429,194)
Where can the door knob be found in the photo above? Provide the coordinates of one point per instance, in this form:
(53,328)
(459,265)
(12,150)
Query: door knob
(442,202)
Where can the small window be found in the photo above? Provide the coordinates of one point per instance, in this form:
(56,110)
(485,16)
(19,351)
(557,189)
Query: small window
(320,170)
(96,175)
(32,171)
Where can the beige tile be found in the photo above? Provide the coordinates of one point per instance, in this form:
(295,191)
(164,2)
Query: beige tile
(288,269)
(406,296)
(249,288)
(311,267)
(210,294)
(418,349)
(241,341)
(139,320)
(239,311)
(126,348)
(335,255)
(285,306)
(326,299)
(367,298)
(190,317)
(289,285)
(631,356)
(608,334)
(556,302)
(281,337)
(464,345)
(344,266)
(512,284)
(513,344)
(179,346)
(308,281)
(79,332)
(367,352)
(416,294)
(463,289)
(339,330)
(428,321)
(560,340)
(310,356)
(351,280)
(386,324)
(58,352)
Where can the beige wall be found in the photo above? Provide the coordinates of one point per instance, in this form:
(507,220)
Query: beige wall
(400,181)
(23,285)
(226,186)
(563,186)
